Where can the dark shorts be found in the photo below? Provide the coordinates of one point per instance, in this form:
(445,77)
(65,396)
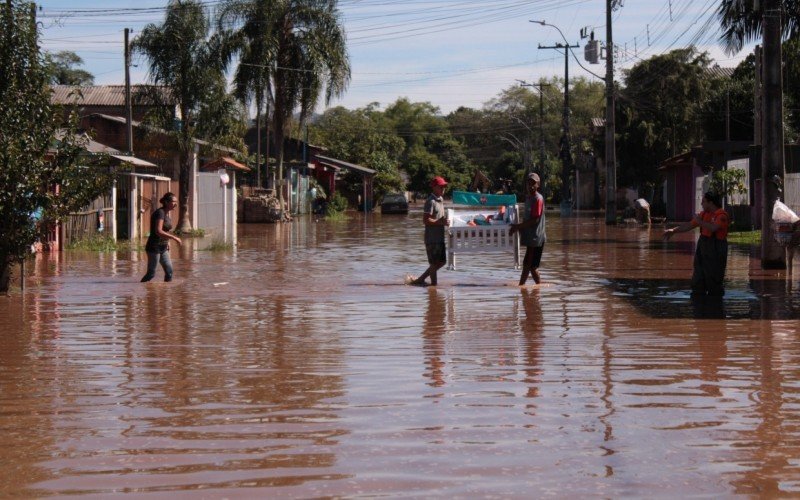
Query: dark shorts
(537,255)
(437,253)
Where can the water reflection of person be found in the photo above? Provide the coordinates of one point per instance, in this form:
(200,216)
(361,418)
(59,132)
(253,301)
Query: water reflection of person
(433,331)
(532,330)
(157,246)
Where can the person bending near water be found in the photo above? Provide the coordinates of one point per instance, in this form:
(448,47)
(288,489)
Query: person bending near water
(711,256)
(531,230)
(435,219)
(157,246)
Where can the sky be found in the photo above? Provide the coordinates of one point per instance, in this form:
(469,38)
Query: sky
(450,53)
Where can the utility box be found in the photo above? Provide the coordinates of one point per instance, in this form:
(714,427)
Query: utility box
(591,52)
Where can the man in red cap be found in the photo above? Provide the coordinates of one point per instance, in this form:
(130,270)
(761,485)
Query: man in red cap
(434,217)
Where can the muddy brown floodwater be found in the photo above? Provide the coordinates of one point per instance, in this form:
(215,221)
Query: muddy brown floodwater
(299,365)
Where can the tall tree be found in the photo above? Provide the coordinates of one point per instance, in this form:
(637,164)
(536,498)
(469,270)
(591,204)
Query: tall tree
(184,59)
(245,27)
(63,70)
(364,137)
(310,56)
(30,165)
(660,112)
(741,23)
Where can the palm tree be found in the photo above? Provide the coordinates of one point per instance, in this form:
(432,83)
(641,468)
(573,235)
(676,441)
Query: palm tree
(304,52)
(311,54)
(182,59)
(742,24)
(245,28)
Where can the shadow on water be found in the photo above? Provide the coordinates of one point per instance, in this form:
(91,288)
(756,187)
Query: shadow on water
(671,298)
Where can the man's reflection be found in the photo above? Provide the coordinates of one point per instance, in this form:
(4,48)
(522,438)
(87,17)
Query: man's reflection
(531,327)
(433,331)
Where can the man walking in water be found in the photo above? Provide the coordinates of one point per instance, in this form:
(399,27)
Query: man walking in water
(435,219)
(711,256)
(531,230)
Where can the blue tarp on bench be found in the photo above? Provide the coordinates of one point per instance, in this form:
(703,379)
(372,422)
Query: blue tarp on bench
(481,199)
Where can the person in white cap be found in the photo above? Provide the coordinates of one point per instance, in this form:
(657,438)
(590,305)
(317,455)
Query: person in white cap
(531,230)
(435,219)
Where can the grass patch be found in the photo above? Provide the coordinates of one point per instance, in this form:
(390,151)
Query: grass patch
(745,237)
(193,233)
(219,245)
(336,216)
(99,243)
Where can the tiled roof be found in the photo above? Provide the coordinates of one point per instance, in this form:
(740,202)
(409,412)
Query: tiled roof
(225,162)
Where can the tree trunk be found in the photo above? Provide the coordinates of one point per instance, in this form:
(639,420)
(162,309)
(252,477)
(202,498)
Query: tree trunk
(259,103)
(279,127)
(185,225)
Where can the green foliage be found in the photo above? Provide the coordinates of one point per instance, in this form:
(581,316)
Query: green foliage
(738,92)
(102,243)
(35,156)
(185,60)
(363,137)
(729,182)
(62,70)
(741,21)
(219,245)
(659,113)
(194,233)
(333,216)
(745,237)
(307,54)
(337,203)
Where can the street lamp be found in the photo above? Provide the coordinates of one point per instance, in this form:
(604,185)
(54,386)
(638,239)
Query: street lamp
(566,155)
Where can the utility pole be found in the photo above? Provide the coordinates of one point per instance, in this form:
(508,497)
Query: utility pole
(540,86)
(566,156)
(758,126)
(128,106)
(772,160)
(611,153)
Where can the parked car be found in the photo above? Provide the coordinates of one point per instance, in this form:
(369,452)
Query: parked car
(394,203)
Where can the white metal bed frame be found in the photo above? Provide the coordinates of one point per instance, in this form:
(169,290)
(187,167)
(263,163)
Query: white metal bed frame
(482,239)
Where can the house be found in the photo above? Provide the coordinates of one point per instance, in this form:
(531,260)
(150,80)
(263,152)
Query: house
(117,212)
(303,161)
(686,175)
(158,147)
(327,168)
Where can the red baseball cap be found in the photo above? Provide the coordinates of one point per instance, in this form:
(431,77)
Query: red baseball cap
(438,181)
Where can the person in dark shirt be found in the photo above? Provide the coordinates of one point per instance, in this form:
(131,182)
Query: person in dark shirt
(531,230)
(157,246)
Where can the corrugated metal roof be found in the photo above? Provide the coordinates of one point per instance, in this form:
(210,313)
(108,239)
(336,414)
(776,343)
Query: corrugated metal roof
(719,72)
(343,164)
(598,122)
(94,95)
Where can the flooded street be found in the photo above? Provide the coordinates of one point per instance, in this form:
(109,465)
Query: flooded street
(300,365)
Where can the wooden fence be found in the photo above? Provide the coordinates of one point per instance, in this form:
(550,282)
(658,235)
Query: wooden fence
(87,223)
